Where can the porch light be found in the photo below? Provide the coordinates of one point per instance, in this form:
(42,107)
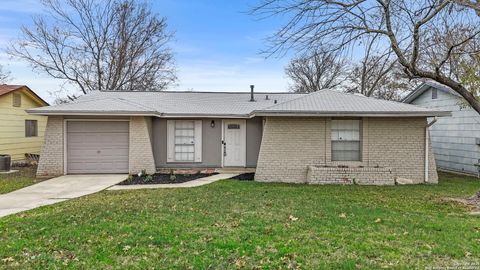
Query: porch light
(212,124)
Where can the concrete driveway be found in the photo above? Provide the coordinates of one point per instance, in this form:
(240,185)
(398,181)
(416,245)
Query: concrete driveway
(55,190)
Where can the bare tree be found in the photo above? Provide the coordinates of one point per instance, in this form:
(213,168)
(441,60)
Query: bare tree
(4,75)
(378,74)
(99,45)
(464,67)
(315,71)
(403,25)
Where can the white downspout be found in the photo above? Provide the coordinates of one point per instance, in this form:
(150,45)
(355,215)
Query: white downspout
(426,147)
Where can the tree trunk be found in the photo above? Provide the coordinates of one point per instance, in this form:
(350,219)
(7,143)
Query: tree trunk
(469,97)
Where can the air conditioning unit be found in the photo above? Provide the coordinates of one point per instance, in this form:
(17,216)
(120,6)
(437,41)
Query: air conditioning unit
(5,162)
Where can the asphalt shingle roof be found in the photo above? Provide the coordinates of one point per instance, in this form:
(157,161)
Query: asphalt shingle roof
(7,88)
(335,102)
(221,104)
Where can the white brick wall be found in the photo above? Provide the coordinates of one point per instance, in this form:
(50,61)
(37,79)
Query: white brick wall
(140,149)
(290,145)
(51,156)
(357,175)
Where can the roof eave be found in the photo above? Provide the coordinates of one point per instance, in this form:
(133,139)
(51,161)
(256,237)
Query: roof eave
(354,114)
(127,113)
(90,113)
(416,92)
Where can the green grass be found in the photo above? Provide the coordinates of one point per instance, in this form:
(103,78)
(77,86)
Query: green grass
(24,177)
(232,224)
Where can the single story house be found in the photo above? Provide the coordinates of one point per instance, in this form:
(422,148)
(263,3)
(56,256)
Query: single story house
(455,139)
(21,134)
(321,137)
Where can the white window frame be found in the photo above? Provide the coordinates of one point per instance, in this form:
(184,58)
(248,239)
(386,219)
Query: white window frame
(343,125)
(197,141)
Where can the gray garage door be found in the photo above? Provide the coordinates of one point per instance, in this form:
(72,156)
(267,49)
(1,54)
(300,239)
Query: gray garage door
(97,147)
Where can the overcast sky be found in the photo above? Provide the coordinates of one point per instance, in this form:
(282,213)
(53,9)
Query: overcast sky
(217,46)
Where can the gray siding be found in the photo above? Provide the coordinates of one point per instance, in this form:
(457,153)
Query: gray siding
(453,138)
(254,139)
(211,143)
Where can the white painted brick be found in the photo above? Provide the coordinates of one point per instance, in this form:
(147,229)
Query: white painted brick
(290,145)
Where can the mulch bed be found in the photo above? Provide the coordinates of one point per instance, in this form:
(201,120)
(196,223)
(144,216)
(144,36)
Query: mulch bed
(163,178)
(244,177)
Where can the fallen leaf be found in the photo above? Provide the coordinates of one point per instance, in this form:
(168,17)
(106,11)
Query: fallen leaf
(240,263)
(8,259)
(378,220)
(126,248)
(292,218)
(342,215)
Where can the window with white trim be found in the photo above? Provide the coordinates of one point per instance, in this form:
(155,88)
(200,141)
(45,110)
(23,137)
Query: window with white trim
(345,140)
(184,139)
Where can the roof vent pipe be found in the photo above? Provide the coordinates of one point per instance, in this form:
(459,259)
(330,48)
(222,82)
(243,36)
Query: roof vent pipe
(251,92)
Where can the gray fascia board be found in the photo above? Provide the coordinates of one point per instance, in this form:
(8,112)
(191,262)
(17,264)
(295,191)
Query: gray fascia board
(416,92)
(188,115)
(353,114)
(91,113)
(123,113)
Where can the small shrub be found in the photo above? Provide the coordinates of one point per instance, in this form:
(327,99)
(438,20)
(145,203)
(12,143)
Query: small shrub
(148,178)
(130,178)
(173,177)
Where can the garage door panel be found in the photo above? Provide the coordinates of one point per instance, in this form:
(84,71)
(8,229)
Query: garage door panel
(97,147)
(94,167)
(98,139)
(100,152)
(97,127)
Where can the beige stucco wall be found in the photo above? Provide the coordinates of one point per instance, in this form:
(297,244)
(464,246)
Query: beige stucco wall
(291,144)
(140,146)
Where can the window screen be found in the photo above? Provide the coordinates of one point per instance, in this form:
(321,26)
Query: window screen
(17,100)
(31,128)
(345,140)
(184,140)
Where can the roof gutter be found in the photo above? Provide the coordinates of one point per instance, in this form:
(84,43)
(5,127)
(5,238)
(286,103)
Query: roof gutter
(353,114)
(38,112)
(123,113)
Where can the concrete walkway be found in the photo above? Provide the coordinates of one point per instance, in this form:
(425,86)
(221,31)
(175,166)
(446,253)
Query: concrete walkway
(193,183)
(55,190)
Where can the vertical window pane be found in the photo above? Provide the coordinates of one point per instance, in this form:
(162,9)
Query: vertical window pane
(345,140)
(31,128)
(184,140)
(17,100)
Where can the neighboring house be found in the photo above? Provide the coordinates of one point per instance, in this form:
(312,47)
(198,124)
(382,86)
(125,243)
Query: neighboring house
(322,137)
(456,139)
(20,132)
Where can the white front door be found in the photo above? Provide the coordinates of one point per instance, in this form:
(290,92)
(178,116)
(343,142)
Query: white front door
(235,140)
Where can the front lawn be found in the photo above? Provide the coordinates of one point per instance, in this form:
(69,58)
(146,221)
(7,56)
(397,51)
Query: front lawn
(239,224)
(24,177)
